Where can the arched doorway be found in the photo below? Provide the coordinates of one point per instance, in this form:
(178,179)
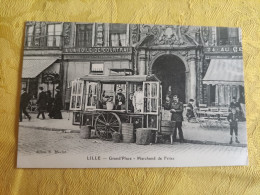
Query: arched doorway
(171,71)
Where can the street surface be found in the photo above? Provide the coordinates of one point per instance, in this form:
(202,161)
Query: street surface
(41,148)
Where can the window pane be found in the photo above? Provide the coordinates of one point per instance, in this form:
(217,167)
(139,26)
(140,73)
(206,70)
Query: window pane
(73,102)
(78,101)
(51,29)
(84,35)
(58,29)
(79,88)
(154,105)
(154,90)
(74,88)
(152,121)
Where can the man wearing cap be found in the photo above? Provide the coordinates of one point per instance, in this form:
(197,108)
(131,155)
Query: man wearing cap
(23,104)
(120,99)
(177,110)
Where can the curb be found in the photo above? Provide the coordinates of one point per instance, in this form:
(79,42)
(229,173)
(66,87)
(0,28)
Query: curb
(186,140)
(51,129)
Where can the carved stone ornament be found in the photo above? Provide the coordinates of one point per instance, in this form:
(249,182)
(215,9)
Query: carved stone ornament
(67,30)
(170,35)
(135,33)
(99,35)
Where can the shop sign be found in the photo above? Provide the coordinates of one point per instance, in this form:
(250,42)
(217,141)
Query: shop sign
(223,49)
(99,50)
(223,57)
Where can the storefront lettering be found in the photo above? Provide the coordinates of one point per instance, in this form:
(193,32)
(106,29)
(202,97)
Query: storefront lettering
(227,49)
(93,50)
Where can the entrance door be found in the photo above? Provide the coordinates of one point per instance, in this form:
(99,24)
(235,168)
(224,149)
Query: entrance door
(171,71)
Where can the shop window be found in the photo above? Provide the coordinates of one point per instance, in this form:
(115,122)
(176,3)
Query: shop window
(223,36)
(54,35)
(84,35)
(76,95)
(30,36)
(91,95)
(117,35)
(97,68)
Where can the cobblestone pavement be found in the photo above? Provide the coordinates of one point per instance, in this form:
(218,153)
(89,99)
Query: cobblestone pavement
(39,148)
(191,131)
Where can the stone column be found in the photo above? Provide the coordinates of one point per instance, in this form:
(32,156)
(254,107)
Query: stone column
(193,77)
(141,63)
(187,86)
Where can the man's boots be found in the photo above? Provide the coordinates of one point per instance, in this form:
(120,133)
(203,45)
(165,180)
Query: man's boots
(231,141)
(237,140)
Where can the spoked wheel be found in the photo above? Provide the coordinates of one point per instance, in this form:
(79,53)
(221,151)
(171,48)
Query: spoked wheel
(106,124)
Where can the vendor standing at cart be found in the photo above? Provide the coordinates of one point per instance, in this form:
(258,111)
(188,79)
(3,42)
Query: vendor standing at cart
(138,100)
(177,110)
(120,100)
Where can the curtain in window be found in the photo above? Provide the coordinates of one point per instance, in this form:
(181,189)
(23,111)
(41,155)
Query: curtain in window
(114,40)
(122,39)
(50,35)
(30,35)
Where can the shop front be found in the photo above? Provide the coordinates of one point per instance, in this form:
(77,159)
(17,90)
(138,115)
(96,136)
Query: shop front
(40,71)
(224,77)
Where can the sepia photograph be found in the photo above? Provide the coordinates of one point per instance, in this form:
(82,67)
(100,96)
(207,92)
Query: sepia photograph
(110,95)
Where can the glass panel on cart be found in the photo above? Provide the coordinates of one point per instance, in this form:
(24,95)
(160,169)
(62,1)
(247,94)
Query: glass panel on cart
(78,102)
(154,105)
(152,121)
(73,102)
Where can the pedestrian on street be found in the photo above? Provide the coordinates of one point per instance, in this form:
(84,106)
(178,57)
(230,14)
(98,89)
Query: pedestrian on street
(177,110)
(24,101)
(233,119)
(49,101)
(57,105)
(190,110)
(41,102)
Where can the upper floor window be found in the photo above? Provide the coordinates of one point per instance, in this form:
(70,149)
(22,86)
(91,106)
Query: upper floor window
(29,38)
(117,35)
(54,32)
(227,36)
(84,35)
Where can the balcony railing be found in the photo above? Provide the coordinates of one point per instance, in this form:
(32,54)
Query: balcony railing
(44,42)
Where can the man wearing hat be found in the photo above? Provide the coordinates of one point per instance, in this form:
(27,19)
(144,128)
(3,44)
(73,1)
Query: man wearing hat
(120,99)
(177,110)
(23,104)
(42,101)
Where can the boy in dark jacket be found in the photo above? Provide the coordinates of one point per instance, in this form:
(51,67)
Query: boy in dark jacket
(233,119)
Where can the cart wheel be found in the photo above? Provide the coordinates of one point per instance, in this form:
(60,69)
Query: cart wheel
(106,124)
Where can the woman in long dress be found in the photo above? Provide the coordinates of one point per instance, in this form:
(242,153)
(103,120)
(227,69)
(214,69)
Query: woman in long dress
(57,105)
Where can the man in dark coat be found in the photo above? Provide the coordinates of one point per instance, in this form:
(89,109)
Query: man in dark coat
(120,100)
(177,110)
(41,102)
(57,105)
(23,105)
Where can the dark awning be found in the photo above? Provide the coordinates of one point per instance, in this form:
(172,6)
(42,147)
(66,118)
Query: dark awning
(225,71)
(33,67)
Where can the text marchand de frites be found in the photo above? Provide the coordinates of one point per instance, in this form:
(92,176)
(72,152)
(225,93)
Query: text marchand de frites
(126,158)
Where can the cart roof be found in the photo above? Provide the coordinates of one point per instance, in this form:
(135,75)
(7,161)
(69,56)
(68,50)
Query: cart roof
(130,78)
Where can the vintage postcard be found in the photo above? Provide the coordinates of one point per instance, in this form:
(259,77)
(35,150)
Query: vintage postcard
(99,95)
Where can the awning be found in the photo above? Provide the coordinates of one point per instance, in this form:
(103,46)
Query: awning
(33,67)
(120,79)
(225,71)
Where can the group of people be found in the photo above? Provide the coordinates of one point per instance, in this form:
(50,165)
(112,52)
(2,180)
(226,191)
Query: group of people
(135,101)
(45,103)
(236,108)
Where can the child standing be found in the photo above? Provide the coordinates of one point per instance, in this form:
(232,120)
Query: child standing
(233,119)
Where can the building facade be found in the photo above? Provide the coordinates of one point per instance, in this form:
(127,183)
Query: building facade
(180,56)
